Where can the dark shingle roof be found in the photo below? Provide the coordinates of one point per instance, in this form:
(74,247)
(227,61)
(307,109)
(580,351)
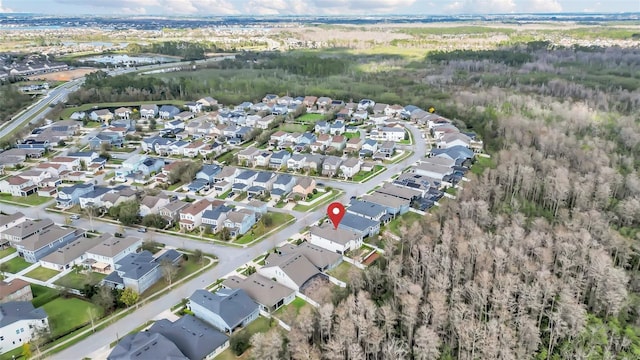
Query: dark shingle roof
(13,311)
(193,337)
(146,346)
(232,306)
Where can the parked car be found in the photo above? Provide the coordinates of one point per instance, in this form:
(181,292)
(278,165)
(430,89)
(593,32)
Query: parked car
(142,230)
(74,217)
(231,194)
(118,235)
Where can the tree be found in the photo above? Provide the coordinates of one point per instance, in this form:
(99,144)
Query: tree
(225,234)
(266,346)
(169,271)
(240,342)
(267,220)
(127,212)
(198,256)
(154,220)
(104,298)
(26,350)
(129,297)
(3,269)
(91,211)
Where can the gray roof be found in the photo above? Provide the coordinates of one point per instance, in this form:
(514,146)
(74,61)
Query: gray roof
(263,290)
(70,189)
(7,219)
(386,200)
(284,179)
(72,250)
(340,236)
(366,208)
(398,191)
(264,176)
(233,306)
(176,205)
(45,237)
(193,337)
(434,168)
(13,311)
(245,175)
(210,169)
(136,265)
(297,267)
(111,246)
(216,212)
(359,223)
(146,346)
(319,257)
(28,227)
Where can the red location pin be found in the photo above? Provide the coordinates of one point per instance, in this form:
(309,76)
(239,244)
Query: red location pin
(335,211)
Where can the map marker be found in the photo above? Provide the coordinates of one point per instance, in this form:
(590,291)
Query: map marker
(335,211)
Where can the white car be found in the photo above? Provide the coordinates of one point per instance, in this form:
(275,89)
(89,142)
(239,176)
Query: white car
(74,217)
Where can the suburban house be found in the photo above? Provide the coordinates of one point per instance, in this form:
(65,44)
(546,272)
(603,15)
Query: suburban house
(239,222)
(245,179)
(304,187)
(194,148)
(324,103)
(171,211)
(70,195)
(386,150)
(432,170)
(193,106)
(262,159)
(279,159)
(391,134)
(38,245)
(208,173)
(18,186)
(460,154)
(453,139)
(106,138)
(225,309)
(102,115)
(19,321)
(350,167)
(402,192)
(265,180)
(145,345)
(15,290)
(109,250)
(8,221)
(215,217)
(353,145)
(264,122)
(74,253)
(246,156)
(139,271)
(191,216)
(268,293)
(395,206)
(93,198)
(296,162)
(208,101)
(117,196)
(283,185)
(257,206)
(168,111)
(122,112)
(360,225)
(228,174)
(369,147)
(338,142)
(293,266)
(24,229)
(368,210)
(336,240)
(195,339)
(322,127)
(151,204)
(337,128)
(309,102)
(331,165)
(148,111)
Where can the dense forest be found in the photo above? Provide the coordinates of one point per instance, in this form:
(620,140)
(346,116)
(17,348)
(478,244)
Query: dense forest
(537,258)
(11,101)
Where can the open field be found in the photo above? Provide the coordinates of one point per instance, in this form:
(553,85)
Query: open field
(67,75)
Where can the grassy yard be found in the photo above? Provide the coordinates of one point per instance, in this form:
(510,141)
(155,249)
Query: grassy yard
(76,280)
(310,117)
(293,128)
(42,294)
(7,252)
(259,325)
(224,194)
(351,135)
(481,164)
(227,157)
(260,230)
(42,274)
(296,304)
(66,315)
(187,268)
(31,200)
(366,175)
(16,265)
(343,271)
(328,199)
(175,186)
(406,219)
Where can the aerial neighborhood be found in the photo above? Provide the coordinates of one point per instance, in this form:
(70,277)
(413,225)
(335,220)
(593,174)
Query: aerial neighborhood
(229,175)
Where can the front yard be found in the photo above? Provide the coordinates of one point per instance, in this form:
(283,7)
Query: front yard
(66,315)
(41,273)
(6,252)
(16,265)
(31,200)
(187,268)
(77,280)
(259,230)
(363,176)
(334,194)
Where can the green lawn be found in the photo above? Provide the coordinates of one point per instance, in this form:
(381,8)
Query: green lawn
(260,230)
(481,164)
(406,219)
(351,135)
(7,252)
(186,268)
(76,280)
(31,200)
(451,191)
(343,271)
(261,324)
(335,194)
(297,303)
(226,157)
(224,194)
(14,354)
(366,175)
(291,128)
(175,186)
(66,315)
(42,294)
(42,274)
(310,117)
(92,124)
(16,265)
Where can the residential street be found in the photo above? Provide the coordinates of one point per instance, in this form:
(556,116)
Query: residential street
(230,258)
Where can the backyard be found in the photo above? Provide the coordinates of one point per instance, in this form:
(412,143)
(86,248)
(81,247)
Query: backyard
(403,220)
(7,252)
(66,315)
(16,265)
(310,118)
(289,313)
(42,294)
(77,280)
(260,325)
(42,274)
(344,271)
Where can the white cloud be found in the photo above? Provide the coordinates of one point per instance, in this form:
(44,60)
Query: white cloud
(543,6)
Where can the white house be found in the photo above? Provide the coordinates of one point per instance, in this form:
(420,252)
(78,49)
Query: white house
(20,320)
(336,240)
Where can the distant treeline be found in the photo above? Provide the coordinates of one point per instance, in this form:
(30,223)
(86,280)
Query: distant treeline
(11,101)
(185,50)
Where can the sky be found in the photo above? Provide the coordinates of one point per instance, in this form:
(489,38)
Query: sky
(313,7)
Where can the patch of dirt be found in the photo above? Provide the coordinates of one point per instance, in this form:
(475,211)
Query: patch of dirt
(63,75)
(318,289)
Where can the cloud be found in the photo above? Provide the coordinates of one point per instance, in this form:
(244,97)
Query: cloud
(544,6)
(4,9)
